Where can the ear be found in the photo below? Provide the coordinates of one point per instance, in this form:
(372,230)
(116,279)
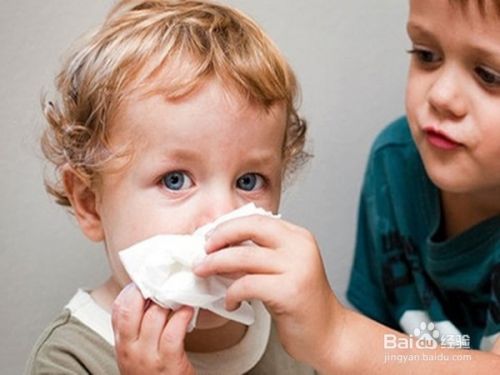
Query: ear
(84,203)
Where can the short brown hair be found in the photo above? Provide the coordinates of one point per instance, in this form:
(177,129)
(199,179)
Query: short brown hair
(138,38)
(480,4)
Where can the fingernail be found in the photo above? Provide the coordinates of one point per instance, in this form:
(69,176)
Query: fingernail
(198,260)
(187,309)
(208,234)
(208,247)
(125,296)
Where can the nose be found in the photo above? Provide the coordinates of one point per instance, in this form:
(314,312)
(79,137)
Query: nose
(215,203)
(446,95)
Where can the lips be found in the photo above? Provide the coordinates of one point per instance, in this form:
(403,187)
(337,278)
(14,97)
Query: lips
(440,140)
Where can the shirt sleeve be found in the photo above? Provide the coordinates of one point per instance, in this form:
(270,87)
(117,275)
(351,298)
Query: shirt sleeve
(69,347)
(53,358)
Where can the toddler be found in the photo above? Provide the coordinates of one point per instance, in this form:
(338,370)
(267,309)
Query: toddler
(171,114)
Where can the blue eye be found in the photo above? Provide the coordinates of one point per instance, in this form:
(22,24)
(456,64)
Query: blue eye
(176,181)
(487,76)
(250,181)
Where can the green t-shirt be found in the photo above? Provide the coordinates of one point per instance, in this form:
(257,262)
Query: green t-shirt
(403,274)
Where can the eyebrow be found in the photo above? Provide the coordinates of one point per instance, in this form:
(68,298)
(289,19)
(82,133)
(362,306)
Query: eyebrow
(264,158)
(182,154)
(413,28)
(255,158)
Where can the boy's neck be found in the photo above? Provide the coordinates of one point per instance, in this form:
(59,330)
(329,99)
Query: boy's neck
(460,212)
(201,341)
(211,340)
(105,294)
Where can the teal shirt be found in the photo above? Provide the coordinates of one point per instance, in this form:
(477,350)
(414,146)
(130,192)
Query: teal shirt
(401,265)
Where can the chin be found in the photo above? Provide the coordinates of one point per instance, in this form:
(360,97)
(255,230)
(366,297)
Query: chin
(209,320)
(450,182)
(446,177)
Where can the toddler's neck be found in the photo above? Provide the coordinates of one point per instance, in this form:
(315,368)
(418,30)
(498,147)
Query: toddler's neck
(215,339)
(200,340)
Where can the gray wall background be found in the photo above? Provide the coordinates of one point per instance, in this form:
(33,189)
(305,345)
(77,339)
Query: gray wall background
(351,61)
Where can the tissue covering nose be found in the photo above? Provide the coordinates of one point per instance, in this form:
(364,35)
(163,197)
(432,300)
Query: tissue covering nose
(161,267)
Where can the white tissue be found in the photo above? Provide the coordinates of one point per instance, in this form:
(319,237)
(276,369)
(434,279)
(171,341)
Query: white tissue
(161,267)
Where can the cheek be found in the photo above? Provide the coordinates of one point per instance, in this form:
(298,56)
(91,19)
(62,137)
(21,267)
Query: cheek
(276,198)
(414,102)
(416,84)
(271,200)
(127,223)
(410,96)
(489,152)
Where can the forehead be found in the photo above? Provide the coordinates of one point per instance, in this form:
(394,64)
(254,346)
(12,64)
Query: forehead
(207,114)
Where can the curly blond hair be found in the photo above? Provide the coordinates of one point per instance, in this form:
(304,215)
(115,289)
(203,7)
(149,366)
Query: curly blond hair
(136,40)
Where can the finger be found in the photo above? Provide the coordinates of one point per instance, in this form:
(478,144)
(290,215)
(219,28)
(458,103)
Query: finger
(241,260)
(153,322)
(127,311)
(172,337)
(261,287)
(262,230)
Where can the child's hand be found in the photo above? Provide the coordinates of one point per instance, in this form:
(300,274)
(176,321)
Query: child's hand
(284,269)
(149,339)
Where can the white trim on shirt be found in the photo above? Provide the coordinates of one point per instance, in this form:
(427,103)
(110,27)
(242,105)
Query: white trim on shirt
(236,360)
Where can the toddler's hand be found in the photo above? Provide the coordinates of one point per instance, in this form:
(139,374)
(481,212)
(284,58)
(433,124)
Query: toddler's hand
(148,338)
(284,269)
